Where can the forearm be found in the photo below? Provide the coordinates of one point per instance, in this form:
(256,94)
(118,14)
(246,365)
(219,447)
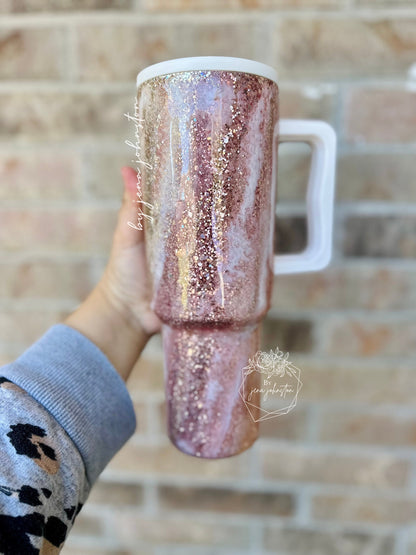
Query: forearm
(110,330)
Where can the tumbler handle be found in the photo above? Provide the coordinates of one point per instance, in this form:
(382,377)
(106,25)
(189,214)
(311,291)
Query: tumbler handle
(319,197)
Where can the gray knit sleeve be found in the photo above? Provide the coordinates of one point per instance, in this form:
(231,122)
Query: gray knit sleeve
(76,383)
(64,413)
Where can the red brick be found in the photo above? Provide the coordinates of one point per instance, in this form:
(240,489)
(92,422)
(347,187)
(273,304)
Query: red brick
(380,236)
(130,528)
(83,230)
(147,376)
(20,328)
(161,411)
(42,278)
(137,47)
(352,286)
(142,45)
(358,337)
(74,548)
(334,48)
(412,544)
(142,425)
(299,541)
(290,235)
(361,427)
(308,102)
(166,460)
(289,335)
(39,176)
(301,464)
(340,382)
(31,53)
(103,171)
(218,5)
(364,509)
(87,525)
(376,176)
(293,171)
(245,38)
(291,426)
(380,115)
(62,115)
(385,3)
(64,5)
(226,501)
(115,494)
(5,358)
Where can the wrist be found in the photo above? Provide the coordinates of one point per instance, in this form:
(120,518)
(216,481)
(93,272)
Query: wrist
(112,330)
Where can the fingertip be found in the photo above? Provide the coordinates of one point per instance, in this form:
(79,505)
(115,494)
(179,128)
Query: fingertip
(126,172)
(130,179)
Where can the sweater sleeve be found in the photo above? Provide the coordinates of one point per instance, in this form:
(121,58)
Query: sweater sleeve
(64,413)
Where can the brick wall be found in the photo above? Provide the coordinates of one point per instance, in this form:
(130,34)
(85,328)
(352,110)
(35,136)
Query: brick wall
(338,474)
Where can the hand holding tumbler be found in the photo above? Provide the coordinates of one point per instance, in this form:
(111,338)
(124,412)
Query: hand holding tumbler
(208,147)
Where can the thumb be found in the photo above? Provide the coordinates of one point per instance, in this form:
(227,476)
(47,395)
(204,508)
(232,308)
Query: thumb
(129,229)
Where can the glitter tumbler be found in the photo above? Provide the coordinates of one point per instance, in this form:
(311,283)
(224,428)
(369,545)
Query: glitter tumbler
(207,154)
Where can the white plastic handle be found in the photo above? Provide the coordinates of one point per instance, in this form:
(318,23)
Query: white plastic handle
(319,197)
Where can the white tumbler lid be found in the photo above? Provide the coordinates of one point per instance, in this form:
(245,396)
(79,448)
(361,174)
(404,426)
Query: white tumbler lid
(222,63)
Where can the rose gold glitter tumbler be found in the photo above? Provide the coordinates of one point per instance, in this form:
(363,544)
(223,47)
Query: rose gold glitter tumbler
(207,147)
